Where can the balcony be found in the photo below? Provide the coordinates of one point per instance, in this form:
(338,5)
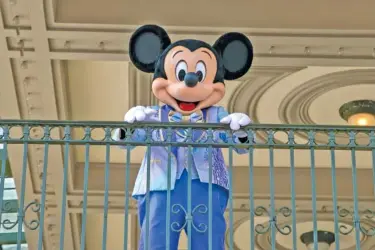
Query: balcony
(67,60)
(296,187)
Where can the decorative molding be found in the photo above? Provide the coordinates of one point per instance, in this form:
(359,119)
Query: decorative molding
(294,108)
(10,108)
(271,49)
(60,79)
(247,95)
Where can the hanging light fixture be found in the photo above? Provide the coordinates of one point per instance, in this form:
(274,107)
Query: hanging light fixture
(359,112)
(325,239)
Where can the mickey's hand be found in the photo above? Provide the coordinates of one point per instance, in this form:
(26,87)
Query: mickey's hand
(236,120)
(139,113)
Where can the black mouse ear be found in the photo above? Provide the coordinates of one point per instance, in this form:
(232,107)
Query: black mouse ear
(146,45)
(236,51)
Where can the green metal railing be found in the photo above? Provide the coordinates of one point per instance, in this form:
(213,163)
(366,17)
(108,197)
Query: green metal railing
(8,236)
(331,139)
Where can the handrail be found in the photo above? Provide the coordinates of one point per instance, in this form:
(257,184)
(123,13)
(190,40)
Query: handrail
(116,124)
(266,131)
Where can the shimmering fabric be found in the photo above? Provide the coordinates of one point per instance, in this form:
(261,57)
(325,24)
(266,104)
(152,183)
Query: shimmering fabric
(179,159)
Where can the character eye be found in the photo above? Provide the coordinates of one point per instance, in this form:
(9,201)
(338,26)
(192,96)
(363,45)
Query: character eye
(181,70)
(200,70)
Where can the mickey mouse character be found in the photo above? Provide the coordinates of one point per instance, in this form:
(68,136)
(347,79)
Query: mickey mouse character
(189,79)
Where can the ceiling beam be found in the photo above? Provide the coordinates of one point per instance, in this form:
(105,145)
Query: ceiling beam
(271,48)
(10,109)
(8,97)
(260,60)
(60,76)
(50,111)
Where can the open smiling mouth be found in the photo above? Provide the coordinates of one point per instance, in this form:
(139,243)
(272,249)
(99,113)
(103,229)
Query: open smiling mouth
(186,106)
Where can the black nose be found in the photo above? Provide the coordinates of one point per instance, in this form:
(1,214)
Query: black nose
(191,79)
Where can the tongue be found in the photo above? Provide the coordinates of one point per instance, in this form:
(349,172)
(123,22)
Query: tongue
(187,106)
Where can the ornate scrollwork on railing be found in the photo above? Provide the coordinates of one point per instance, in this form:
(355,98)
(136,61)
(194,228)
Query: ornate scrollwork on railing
(366,214)
(262,211)
(8,206)
(32,225)
(177,208)
(344,229)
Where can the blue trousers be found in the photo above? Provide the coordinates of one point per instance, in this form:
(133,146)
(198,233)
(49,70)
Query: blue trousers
(199,198)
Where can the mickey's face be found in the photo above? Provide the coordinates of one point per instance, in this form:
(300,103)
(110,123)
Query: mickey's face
(189,74)
(189,82)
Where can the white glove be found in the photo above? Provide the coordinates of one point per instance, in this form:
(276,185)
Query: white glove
(236,121)
(139,113)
